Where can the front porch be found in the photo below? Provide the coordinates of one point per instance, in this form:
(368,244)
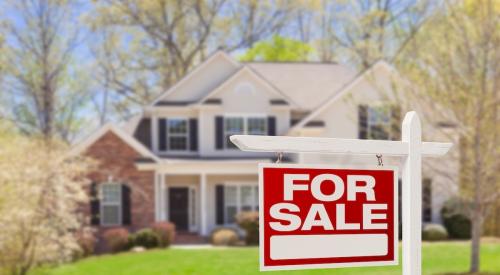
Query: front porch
(199,196)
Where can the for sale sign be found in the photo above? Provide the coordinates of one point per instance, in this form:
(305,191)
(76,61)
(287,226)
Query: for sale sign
(322,216)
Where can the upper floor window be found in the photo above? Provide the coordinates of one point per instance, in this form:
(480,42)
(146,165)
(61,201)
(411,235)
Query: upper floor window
(243,126)
(178,135)
(111,204)
(378,122)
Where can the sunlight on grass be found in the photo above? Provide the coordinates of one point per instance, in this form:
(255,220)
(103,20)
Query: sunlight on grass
(438,258)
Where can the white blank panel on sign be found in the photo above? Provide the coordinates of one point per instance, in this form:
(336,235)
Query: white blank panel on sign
(327,246)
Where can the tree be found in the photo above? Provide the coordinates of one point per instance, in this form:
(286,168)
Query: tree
(359,32)
(42,191)
(278,49)
(144,47)
(42,80)
(453,65)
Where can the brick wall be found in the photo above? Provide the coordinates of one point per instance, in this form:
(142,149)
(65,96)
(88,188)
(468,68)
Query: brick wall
(116,159)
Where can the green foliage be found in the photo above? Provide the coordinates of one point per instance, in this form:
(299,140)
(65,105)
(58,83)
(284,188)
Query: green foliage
(434,232)
(224,237)
(249,221)
(146,238)
(278,49)
(455,219)
(437,258)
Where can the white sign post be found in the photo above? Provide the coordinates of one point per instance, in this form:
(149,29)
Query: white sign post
(411,147)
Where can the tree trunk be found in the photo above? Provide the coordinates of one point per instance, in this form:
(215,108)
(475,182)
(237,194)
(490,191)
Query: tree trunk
(476,236)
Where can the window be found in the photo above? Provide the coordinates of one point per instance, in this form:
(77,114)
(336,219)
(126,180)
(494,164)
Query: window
(111,204)
(177,134)
(238,198)
(233,126)
(243,126)
(378,122)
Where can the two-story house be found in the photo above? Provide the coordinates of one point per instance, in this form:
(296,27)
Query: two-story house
(175,162)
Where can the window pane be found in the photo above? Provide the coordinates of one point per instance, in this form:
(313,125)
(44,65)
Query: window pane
(177,126)
(177,143)
(234,125)
(230,193)
(257,126)
(246,196)
(110,214)
(231,212)
(111,193)
(378,122)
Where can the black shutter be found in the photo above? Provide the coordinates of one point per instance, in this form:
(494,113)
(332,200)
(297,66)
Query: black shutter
(162,129)
(362,121)
(143,132)
(271,126)
(126,213)
(219,204)
(94,204)
(193,134)
(219,132)
(396,122)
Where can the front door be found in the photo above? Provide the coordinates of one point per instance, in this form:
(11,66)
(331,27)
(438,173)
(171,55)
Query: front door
(178,205)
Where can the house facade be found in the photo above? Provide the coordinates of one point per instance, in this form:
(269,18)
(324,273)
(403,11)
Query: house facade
(174,162)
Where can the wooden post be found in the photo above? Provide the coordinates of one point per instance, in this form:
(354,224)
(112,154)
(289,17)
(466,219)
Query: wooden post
(203,202)
(412,196)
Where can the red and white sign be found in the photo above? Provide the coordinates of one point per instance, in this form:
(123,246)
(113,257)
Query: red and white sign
(314,216)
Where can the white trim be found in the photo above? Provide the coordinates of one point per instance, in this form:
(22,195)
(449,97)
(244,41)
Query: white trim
(336,96)
(88,141)
(241,71)
(173,89)
(118,204)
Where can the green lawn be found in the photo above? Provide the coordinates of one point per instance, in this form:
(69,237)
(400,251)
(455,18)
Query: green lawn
(438,258)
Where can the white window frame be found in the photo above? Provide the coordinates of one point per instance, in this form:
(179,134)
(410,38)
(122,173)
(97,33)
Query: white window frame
(102,204)
(255,198)
(245,118)
(385,127)
(169,135)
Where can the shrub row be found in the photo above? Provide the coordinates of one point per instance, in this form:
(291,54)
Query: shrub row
(159,235)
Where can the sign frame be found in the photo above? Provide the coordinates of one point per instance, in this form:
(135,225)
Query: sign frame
(395,242)
(410,147)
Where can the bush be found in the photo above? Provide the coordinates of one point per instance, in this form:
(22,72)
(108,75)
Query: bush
(249,221)
(454,214)
(165,232)
(224,236)
(117,239)
(86,241)
(434,232)
(145,238)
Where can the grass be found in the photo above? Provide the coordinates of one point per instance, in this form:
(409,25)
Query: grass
(438,258)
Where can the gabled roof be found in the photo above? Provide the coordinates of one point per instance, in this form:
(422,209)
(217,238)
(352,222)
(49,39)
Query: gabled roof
(214,56)
(256,76)
(340,93)
(308,84)
(81,146)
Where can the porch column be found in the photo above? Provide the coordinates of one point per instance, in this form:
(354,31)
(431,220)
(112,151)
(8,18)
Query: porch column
(203,204)
(163,198)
